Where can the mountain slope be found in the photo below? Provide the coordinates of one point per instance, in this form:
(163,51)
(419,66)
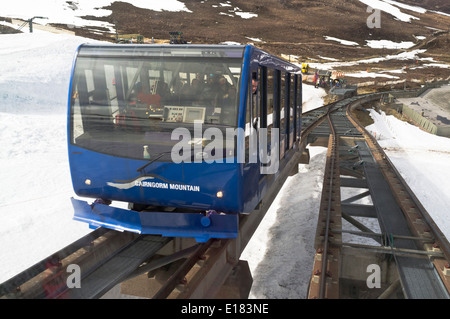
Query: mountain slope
(310,30)
(290,21)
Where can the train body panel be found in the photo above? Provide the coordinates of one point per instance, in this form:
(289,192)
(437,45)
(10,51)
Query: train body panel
(136,134)
(188,185)
(199,226)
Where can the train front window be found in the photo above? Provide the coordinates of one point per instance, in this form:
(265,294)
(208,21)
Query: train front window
(121,104)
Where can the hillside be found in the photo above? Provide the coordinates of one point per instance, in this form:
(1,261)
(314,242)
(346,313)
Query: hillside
(308,30)
(287,26)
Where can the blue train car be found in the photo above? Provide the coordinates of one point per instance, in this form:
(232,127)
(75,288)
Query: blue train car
(190,136)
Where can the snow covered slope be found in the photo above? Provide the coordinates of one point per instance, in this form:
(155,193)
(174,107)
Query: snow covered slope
(35,209)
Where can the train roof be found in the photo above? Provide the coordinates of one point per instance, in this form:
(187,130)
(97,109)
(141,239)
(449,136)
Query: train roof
(149,50)
(184,50)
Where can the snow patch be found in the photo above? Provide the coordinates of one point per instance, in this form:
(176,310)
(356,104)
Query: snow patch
(344,42)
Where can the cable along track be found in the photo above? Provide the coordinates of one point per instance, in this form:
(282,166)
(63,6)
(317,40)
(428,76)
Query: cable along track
(407,256)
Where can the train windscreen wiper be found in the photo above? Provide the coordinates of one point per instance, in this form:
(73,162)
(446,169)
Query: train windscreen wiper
(152,160)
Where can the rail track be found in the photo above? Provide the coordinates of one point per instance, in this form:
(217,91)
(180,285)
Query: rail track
(410,250)
(408,255)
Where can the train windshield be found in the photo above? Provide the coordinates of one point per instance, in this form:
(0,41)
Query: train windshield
(128,102)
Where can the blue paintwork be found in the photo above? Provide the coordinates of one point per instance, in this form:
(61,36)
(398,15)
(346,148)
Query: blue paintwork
(102,170)
(243,186)
(199,226)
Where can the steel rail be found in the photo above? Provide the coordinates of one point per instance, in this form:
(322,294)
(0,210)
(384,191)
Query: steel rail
(181,272)
(437,233)
(319,277)
(328,215)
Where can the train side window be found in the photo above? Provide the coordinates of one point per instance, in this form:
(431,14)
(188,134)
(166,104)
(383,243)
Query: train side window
(299,105)
(276,104)
(255,99)
(276,99)
(295,107)
(248,119)
(270,105)
(263,97)
(282,114)
(251,122)
(288,110)
(291,111)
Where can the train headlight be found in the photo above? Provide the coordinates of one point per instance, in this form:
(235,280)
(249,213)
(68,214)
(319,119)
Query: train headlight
(219,194)
(87,182)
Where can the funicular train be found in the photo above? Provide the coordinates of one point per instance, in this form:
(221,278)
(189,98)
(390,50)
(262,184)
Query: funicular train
(190,136)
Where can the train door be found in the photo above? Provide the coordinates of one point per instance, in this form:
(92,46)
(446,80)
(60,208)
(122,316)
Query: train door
(251,165)
(258,92)
(262,127)
(263,110)
(262,131)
